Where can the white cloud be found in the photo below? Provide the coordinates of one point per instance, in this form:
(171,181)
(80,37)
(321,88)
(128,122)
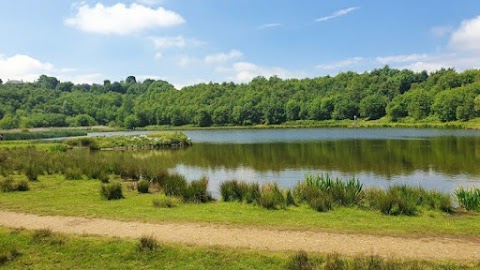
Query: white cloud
(223,57)
(269,25)
(400,58)
(120,19)
(338,13)
(184,61)
(246,71)
(168,42)
(149,2)
(158,56)
(341,64)
(467,37)
(23,67)
(27,68)
(441,31)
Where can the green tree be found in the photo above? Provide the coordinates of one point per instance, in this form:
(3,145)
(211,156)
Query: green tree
(373,107)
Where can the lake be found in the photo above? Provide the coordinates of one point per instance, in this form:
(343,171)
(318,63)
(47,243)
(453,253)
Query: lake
(433,158)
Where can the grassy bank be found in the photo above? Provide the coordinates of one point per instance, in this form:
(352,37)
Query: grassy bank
(46,134)
(55,196)
(42,249)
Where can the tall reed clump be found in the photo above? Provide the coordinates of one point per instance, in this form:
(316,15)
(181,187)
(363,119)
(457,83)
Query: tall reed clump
(321,192)
(407,200)
(196,191)
(271,197)
(469,198)
(234,190)
(299,261)
(111,191)
(143,186)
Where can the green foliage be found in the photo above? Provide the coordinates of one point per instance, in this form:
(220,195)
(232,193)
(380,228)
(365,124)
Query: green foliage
(143,186)
(164,201)
(197,191)
(44,134)
(8,184)
(111,191)
(342,193)
(175,185)
(373,107)
(272,197)
(147,243)
(469,198)
(130,104)
(299,261)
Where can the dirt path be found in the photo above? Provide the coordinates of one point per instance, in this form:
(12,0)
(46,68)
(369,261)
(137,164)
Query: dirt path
(256,238)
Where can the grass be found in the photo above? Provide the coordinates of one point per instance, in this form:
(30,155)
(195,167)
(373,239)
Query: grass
(18,251)
(53,195)
(469,198)
(10,136)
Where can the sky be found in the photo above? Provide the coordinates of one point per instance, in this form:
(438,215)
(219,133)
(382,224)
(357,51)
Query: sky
(187,42)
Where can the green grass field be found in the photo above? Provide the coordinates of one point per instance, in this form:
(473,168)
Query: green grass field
(52,195)
(42,249)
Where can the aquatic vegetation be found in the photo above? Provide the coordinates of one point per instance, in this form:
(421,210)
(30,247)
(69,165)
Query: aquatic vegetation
(469,198)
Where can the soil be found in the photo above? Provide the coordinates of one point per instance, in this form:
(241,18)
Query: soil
(421,248)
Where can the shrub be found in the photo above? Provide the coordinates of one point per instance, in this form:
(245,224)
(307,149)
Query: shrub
(72,174)
(468,198)
(166,202)
(21,185)
(111,191)
(10,185)
(319,201)
(234,190)
(197,191)
(32,172)
(289,200)
(143,186)
(299,261)
(8,254)
(147,243)
(175,185)
(47,236)
(334,262)
(342,193)
(271,197)
(253,193)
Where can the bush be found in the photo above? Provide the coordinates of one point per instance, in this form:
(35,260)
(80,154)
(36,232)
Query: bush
(143,186)
(166,202)
(10,185)
(299,261)
(342,193)
(175,185)
(8,254)
(318,200)
(111,191)
(271,197)
(197,191)
(147,243)
(234,190)
(335,262)
(468,198)
(73,174)
(47,236)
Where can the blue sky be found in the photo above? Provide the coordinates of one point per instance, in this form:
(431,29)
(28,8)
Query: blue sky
(187,42)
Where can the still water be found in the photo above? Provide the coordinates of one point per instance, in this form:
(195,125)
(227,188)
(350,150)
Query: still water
(434,158)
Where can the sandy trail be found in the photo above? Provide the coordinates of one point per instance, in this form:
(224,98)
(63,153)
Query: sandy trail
(425,248)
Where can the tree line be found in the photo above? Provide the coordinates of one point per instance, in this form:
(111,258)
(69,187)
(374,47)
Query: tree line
(398,95)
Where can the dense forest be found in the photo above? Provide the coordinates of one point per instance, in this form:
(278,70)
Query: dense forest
(398,95)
